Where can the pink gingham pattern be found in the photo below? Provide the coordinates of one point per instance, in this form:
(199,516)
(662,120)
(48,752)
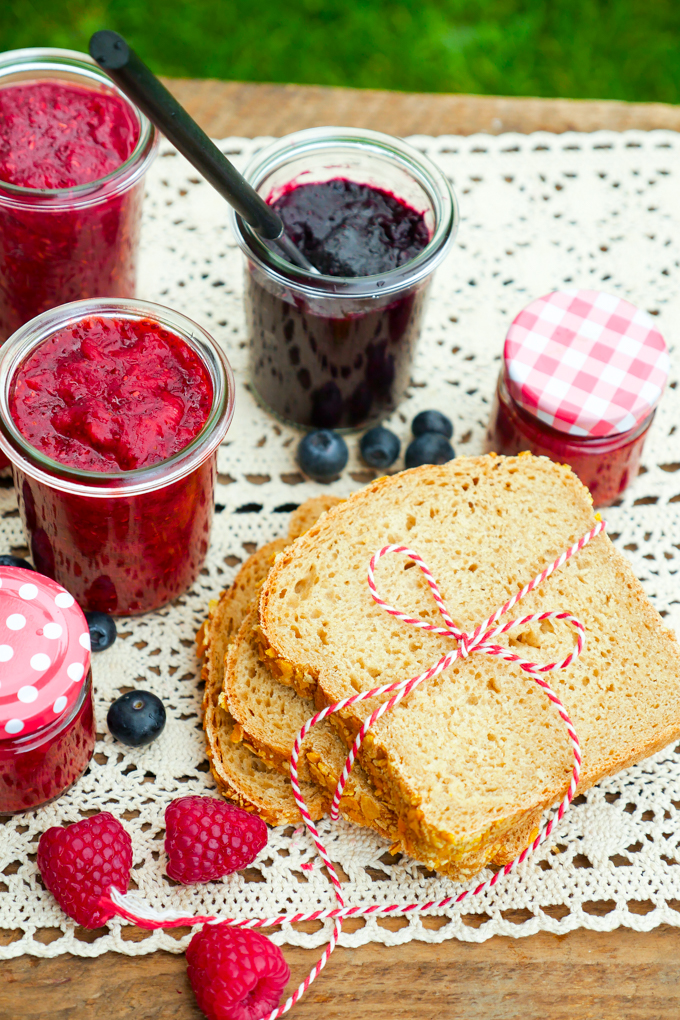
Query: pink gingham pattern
(586,362)
(480,640)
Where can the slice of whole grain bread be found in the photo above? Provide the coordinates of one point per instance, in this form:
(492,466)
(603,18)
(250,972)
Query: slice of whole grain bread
(242,776)
(477,751)
(270,716)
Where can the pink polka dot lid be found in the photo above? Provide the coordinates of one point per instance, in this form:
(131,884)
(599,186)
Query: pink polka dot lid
(44,652)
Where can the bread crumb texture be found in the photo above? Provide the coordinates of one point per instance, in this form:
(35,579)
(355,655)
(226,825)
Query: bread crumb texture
(479,749)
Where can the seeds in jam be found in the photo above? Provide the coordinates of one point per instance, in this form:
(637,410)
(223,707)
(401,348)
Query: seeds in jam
(111,395)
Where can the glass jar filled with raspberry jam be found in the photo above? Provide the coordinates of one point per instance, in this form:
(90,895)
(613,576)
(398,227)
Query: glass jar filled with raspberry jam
(111,413)
(375,217)
(47,729)
(583,372)
(73,154)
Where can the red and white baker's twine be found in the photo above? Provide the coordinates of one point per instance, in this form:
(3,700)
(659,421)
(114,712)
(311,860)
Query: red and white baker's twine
(481,639)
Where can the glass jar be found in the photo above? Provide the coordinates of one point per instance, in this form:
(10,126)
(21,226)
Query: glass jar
(47,726)
(605,464)
(330,351)
(583,372)
(128,541)
(59,245)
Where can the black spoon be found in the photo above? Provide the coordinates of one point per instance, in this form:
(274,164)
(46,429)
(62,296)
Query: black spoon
(134,78)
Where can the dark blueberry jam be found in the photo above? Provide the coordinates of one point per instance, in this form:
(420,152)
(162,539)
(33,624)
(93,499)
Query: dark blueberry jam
(348,229)
(338,369)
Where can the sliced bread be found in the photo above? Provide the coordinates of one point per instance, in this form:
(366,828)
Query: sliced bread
(478,751)
(271,715)
(240,775)
(309,512)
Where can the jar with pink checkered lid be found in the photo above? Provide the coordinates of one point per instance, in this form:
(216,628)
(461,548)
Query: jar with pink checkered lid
(583,373)
(47,729)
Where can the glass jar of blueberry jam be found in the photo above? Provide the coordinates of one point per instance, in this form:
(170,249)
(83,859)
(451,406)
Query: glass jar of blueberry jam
(583,372)
(73,154)
(375,218)
(111,413)
(47,729)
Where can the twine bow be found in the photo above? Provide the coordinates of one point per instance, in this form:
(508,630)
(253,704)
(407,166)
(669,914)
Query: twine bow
(480,640)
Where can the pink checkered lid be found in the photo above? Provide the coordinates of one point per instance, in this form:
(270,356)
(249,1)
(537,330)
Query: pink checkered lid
(586,362)
(44,652)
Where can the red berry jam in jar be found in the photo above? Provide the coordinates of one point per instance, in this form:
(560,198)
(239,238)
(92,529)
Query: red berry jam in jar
(47,729)
(111,414)
(73,153)
(334,349)
(583,372)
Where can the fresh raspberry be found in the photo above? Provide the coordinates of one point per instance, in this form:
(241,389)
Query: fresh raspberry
(80,863)
(236,973)
(206,838)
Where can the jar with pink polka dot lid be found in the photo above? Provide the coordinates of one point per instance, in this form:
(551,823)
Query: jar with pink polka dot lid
(47,729)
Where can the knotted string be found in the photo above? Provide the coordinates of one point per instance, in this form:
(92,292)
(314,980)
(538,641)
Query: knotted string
(480,640)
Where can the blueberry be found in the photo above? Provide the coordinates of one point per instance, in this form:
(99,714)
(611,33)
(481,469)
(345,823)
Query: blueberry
(14,561)
(379,447)
(136,718)
(102,630)
(429,448)
(432,421)
(322,455)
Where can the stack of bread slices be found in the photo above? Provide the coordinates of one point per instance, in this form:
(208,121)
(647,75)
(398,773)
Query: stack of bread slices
(458,775)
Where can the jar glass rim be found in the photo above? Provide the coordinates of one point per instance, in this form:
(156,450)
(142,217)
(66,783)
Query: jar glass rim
(316,140)
(49,59)
(60,476)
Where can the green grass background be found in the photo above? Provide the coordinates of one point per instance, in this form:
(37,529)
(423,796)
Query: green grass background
(609,49)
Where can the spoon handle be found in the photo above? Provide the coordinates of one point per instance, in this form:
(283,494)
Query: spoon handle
(134,78)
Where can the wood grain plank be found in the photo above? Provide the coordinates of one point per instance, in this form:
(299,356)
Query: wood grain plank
(621,975)
(248,110)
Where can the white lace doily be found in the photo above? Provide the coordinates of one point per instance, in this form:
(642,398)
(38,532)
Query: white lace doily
(538,212)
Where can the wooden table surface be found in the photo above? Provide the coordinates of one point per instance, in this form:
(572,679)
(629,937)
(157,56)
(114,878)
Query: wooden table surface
(620,975)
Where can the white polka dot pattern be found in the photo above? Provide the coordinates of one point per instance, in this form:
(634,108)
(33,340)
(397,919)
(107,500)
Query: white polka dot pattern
(43,632)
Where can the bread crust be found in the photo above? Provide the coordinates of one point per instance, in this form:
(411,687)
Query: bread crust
(239,774)
(617,614)
(271,737)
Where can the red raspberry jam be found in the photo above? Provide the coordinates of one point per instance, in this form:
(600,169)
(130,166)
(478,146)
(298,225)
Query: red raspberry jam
(58,244)
(122,403)
(111,394)
(583,372)
(606,465)
(56,135)
(47,728)
(35,770)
